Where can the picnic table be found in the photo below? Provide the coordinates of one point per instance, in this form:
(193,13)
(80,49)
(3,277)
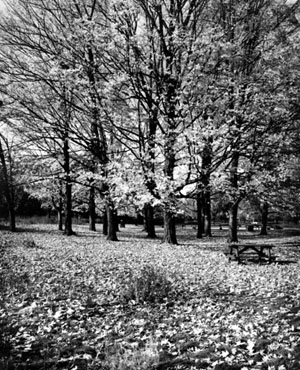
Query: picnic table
(263,251)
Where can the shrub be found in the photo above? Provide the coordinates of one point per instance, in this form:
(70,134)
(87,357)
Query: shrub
(150,284)
(132,359)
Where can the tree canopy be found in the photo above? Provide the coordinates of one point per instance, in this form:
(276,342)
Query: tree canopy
(141,104)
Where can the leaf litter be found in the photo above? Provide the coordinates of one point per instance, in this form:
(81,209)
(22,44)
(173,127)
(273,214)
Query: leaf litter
(63,306)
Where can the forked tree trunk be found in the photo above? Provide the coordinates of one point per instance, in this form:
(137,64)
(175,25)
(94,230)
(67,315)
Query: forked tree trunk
(149,221)
(264,219)
(169,227)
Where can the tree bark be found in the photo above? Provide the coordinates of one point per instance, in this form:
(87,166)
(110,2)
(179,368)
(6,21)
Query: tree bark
(60,210)
(111,231)
(92,209)
(233,223)
(264,218)
(169,227)
(105,224)
(200,228)
(8,191)
(206,169)
(233,211)
(68,188)
(149,221)
(68,207)
(207,213)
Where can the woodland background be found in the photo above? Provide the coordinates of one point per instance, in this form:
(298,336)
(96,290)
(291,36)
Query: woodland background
(151,108)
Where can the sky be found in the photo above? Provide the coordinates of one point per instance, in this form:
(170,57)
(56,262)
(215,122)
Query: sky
(2,5)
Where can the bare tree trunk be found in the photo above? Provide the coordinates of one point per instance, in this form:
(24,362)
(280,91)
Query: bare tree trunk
(111,222)
(92,210)
(200,228)
(149,221)
(264,218)
(8,191)
(207,213)
(233,211)
(105,224)
(169,227)
(60,220)
(68,207)
(60,209)
(68,189)
(169,216)
(206,169)
(233,223)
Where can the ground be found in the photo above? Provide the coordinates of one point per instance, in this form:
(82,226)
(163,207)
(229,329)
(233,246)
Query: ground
(82,302)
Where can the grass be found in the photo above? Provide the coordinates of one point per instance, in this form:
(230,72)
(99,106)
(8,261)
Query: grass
(82,302)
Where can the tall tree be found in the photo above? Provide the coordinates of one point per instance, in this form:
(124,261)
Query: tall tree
(159,53)
(8,181)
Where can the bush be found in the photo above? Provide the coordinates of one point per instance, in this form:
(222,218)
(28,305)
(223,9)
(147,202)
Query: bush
(131,359)
(150,284)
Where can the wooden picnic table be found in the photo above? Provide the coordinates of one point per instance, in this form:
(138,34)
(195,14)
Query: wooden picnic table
(264,251)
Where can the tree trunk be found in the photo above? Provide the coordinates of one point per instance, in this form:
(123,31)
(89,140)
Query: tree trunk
(169,216)
(8,191)
(105,224)
(68,188)
(205,176)
(92,210)
(149,221)
(169,227)
(116,220)
(68,207)
(207,213)
(264,219)
(233,223)
(111,222)
(233,211)
(60,219)
(200,228)
(60,206)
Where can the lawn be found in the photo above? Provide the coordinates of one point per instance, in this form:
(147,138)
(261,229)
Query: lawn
(82,302)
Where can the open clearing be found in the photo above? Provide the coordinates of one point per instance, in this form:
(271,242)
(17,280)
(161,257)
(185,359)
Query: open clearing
(81,302)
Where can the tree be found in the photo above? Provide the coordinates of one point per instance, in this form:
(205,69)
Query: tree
(52,43)
(161,57)
(249,38)
(6,162)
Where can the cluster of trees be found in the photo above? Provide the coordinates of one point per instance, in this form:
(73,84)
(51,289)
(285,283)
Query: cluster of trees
(137,104)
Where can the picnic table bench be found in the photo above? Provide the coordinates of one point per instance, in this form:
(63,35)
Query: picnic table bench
(263,251)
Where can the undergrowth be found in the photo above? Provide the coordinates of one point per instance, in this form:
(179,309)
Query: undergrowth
(149,284)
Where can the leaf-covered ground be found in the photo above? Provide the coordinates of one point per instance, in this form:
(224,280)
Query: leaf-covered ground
(69,303)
